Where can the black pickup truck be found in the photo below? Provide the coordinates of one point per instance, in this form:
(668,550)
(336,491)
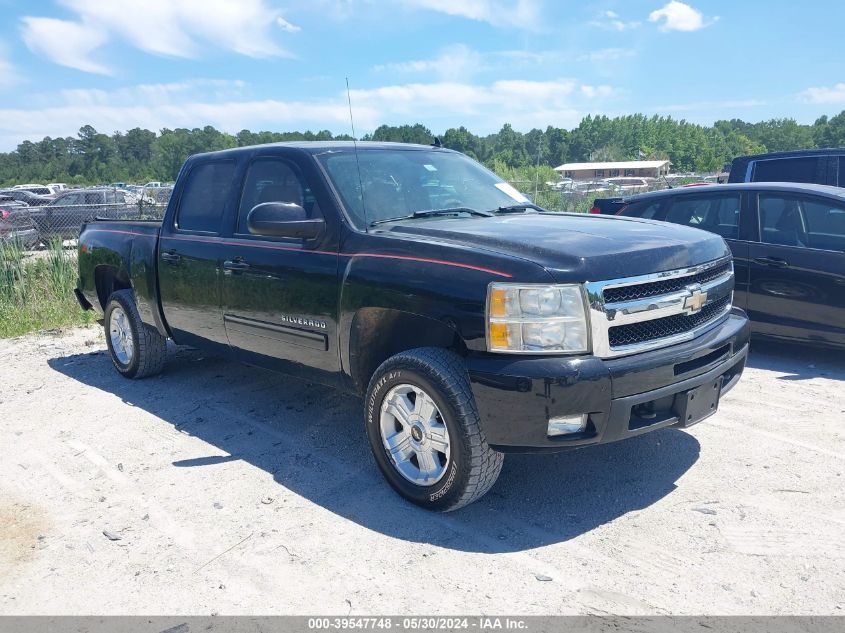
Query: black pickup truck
(472,322)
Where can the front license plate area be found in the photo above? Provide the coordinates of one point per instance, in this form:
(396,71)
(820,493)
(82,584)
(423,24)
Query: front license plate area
(699,403)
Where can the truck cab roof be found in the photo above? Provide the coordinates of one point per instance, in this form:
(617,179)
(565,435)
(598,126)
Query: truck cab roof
(319,147)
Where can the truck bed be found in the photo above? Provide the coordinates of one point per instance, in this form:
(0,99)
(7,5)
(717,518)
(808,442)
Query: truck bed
(121,253)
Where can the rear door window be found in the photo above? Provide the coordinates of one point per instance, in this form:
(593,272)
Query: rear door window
(68,200)
(825,218)
(204,197)
(717,214)
(808,169)
(647,210)
(798,221)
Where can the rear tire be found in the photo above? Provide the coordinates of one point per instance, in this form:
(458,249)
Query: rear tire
(136,349)
(425,433)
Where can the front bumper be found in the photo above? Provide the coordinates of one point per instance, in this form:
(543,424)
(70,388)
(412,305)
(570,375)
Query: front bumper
(624,397)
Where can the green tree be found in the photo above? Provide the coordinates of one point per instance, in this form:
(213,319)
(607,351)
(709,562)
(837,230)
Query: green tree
(139,155)
(831,133)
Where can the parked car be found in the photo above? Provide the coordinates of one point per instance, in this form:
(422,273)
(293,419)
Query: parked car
(416,278)
(58,187)
(788,244)
(25,196)
(16,223)
(39,190)
(560,185)
(62,217)
(607,206)
(629,184)
(157,195)
(586,188)
(819,166)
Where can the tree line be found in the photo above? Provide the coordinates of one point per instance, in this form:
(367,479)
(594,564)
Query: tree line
(139,155)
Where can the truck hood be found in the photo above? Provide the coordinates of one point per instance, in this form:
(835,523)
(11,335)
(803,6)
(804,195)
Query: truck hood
(576,247)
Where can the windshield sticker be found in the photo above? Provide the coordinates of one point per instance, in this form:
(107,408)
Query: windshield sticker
(430,167)
(511,191)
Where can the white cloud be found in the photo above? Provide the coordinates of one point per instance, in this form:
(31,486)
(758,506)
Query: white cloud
(522,103)
(606,55)
(229,106)
(460,62)
(611,21)
(287,26)
(678,16)
(522,14)
(453,62)
(161,27)
(151,95)
(67,43)
(190,104)
(706,106)
(8,72)
(824,94)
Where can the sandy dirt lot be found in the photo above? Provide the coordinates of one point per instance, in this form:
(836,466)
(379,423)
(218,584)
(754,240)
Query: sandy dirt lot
(233,490)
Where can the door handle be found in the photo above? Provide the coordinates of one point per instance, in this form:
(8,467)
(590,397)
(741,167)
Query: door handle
(171,257)
(774,262)
(235,264)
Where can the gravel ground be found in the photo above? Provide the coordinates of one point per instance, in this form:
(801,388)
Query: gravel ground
(231,490)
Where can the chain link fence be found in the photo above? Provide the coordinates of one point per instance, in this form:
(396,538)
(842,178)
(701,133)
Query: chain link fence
(578,196)
(35,222)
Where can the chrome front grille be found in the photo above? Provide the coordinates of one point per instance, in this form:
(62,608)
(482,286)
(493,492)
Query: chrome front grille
(664,286)
(656,329)
(651,311)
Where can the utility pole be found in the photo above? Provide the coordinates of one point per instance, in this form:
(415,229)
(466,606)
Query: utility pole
(537,173)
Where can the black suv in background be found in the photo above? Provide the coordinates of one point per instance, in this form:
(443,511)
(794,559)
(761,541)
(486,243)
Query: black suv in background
(788,245)
(820,166)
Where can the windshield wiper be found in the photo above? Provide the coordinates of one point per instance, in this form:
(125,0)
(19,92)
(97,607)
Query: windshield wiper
(519,208)
(426,213)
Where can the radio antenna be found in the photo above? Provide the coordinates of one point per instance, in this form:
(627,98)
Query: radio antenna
(357,162)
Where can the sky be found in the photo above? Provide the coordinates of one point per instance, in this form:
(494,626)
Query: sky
(282,65)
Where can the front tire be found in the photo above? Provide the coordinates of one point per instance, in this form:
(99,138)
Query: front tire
(425,433)
(136,349)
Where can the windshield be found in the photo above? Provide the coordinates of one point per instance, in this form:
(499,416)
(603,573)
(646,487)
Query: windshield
(398,183)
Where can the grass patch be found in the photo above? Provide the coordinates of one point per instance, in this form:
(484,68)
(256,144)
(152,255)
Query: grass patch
(36,293)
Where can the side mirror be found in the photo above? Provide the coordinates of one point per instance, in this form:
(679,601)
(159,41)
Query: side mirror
(283,219)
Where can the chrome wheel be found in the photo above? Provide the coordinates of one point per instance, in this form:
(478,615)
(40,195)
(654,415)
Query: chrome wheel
(120,335)
(414,435)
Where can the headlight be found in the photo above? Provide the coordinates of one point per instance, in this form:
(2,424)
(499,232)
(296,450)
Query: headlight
(538,319)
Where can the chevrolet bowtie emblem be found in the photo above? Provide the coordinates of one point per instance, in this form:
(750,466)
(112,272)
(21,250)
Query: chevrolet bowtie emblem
(696,299)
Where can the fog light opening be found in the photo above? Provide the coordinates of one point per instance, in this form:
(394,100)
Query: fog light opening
(567,424)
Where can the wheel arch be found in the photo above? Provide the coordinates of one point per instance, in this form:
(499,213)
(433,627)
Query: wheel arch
(378,333)
(108,279)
